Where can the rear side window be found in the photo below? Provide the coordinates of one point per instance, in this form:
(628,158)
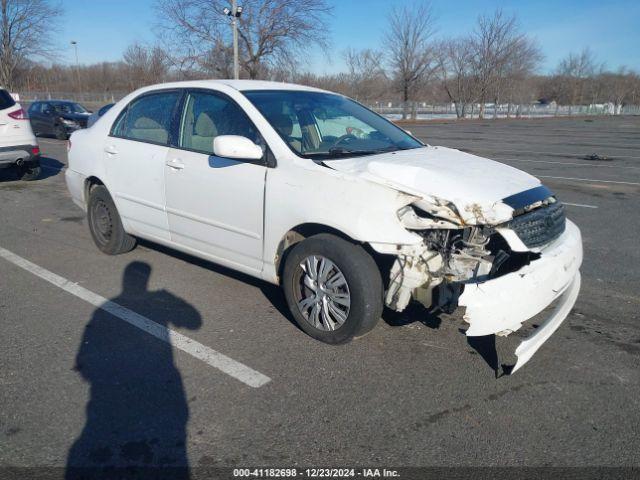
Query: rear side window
(148,118)
(207,115)
(6,100)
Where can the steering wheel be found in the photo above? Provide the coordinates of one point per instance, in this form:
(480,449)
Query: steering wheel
(342,139)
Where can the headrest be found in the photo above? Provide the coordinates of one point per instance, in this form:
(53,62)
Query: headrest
(282,123)
(205,126)
(146,122)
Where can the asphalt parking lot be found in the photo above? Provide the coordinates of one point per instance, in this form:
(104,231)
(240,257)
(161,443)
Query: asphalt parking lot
(414,392)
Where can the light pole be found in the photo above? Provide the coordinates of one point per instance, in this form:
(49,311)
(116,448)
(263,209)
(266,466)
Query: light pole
(75,47)
(234,13)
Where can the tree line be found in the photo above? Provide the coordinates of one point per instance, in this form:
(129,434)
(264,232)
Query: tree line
(496,63)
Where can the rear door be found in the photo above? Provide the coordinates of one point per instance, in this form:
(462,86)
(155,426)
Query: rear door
(215,205)
(135,154)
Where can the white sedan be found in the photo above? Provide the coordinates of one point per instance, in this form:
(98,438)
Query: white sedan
(346,211)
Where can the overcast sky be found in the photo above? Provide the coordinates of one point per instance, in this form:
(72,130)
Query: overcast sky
(104,28)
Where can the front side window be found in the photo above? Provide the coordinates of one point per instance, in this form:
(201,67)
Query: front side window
(324,126)
(206,116)
(148,118)
(67,107)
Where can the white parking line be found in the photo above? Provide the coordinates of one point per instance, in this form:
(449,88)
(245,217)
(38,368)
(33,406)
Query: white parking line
(561,154)
(588,180)
(579,205)
(215,359)
(562,163)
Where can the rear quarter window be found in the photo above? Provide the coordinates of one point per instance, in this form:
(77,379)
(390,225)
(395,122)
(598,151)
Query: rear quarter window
(6,100)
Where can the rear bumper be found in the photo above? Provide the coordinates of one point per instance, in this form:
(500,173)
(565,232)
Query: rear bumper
(9,156)
(501,305)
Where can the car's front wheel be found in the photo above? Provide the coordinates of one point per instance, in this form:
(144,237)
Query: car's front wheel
(61,133)
(333,288)
(105,223)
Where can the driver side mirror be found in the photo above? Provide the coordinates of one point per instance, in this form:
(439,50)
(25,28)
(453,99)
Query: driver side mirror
(236,147)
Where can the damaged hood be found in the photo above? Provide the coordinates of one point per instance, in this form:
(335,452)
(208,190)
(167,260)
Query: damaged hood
(474,185)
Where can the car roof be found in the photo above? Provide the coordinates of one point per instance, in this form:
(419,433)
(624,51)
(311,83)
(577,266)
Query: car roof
(57,101)
(240,85)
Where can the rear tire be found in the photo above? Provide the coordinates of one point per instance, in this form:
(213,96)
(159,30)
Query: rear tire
(29,174)
(333,288)
(105,224)
(61,133)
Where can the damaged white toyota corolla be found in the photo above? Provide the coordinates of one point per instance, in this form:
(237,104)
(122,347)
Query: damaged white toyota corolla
(312,191)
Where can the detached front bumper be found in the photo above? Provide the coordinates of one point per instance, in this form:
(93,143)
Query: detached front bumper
(501,305)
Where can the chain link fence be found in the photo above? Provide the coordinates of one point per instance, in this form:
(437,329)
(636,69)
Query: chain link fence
(423,110)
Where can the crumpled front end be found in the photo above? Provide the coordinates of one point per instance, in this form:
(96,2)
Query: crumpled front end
(500,306)
(504,264)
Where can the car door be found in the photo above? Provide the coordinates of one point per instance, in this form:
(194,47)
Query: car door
(35,117)
(135,154)
(48,119)
(215,205)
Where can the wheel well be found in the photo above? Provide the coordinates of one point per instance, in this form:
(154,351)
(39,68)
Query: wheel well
(89,183)
(306,230)
(299,233)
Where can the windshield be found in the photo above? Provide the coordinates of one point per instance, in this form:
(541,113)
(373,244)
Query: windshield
(323,125)
(69,108)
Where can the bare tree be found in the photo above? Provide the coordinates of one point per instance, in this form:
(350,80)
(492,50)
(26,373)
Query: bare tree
(367,77)
(573,74)
(412,58)
(25,33)
(271,32)
(146,65)
(617,88)
(499,46)
(511,83)
(456,72)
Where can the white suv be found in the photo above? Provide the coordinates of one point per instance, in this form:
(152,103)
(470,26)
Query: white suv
(18,145)
(346,211)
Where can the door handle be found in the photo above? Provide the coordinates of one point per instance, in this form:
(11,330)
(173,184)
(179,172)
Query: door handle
(175,163)
(111,150)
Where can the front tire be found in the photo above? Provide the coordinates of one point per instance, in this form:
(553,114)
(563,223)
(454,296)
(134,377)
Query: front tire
(333,288)
(61,133)
(105,224)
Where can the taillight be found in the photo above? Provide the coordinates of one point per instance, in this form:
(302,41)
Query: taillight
(35,150)
(19,114)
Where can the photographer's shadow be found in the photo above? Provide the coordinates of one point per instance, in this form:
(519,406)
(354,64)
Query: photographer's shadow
(137,413)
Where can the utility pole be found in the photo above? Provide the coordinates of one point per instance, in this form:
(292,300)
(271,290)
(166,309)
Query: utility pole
(234,13)
(75,47)
(234,23)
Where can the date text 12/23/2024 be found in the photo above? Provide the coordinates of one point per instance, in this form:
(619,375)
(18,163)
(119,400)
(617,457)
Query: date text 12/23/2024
(315,473)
